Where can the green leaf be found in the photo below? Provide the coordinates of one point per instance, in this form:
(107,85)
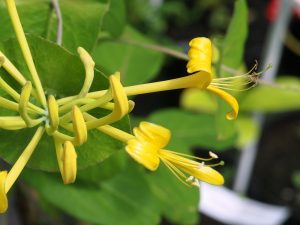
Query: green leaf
(190,130)
(284,95)
(232,50)
(233,45)
(82,22)
(61,74)
(33,14)
(198,101)
(136,64)
(178,202)
(124,199)
(247,129)
(115,18)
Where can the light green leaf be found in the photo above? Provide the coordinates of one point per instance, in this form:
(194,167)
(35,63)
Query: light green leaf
(33,14)
(284,95)
(136,64)
(190,130)
(124,199)
(247,129)
(62,74)
(233,45)
(232,50)
(198,101)
(178,202)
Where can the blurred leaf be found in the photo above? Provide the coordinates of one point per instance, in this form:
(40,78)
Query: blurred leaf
(124,199)
(61,74)
(232,56)
(82,21)
(190,130)
(284,95)
(106,170)
(178,202)
(33,14)
(233,45)
(136,64)
(296,178)
(198,101)
(115,17)
(247,129)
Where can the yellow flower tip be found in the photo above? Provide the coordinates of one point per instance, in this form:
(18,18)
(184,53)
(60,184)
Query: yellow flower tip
(79,126)
(53,114)
(117,75)
(229,99)
(3,196)
(144,153)
(208,175)
(119,96)
(200,55)
(131,105)
(85,57)
(69,162)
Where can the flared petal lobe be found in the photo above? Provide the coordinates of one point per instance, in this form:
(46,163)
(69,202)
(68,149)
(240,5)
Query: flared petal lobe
(232,102)
(144,153)
(3,197)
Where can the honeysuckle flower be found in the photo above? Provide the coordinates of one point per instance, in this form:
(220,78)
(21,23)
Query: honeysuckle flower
(146,147)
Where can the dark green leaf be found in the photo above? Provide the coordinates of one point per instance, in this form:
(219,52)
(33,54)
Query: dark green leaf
(62,74)
(124,199)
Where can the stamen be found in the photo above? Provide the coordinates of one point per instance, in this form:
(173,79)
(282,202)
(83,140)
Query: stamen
(213,155)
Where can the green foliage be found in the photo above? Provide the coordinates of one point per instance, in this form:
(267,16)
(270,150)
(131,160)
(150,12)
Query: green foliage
(124,199)
(281,96)
(135,63)
(197,130)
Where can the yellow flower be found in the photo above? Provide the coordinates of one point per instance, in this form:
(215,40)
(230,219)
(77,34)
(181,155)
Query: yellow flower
(147,149)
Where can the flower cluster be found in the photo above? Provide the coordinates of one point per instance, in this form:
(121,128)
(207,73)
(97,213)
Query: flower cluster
(52,116)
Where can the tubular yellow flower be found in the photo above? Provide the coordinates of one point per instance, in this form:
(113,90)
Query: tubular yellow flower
(147,149)
(3,197)
(69,162)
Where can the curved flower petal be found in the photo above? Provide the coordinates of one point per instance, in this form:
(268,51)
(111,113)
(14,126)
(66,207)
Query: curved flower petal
(229,99)
(3,197)
(144,153)
(206,174)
